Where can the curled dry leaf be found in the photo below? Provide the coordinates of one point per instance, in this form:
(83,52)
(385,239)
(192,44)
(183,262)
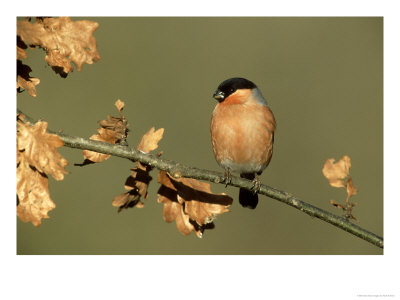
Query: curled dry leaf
(118,125)
(37,156)
(336,172)
(137,183)
(139,180)
(64,41)
(190,203)
(24,80)
(29,85)
(127,200)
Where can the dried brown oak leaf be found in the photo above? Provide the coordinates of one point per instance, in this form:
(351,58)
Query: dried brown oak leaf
(24,80)
(190,203)
(29,85)
(150,140)
(64,41)
(37,156)
(33,194)
(336,173)
(40,149)
(137,183)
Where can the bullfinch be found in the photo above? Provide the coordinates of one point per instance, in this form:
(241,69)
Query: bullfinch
(242,133)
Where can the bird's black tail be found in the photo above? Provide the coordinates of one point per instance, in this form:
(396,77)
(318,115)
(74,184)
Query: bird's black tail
(248,198)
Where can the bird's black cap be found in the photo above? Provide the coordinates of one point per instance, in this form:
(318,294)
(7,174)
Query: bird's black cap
(230,85)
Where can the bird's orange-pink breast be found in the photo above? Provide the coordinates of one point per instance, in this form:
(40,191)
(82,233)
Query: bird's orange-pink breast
(242,135)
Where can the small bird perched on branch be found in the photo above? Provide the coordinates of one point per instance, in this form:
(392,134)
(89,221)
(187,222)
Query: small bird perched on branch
(242,133)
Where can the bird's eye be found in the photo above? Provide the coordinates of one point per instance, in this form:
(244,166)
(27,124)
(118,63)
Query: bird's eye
(231,90)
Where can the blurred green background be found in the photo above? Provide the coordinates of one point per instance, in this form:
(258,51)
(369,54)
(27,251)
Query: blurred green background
(323,78)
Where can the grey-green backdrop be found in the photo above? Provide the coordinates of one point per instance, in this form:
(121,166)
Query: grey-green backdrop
(323,78)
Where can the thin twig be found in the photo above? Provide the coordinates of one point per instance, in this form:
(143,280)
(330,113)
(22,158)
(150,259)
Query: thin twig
(178,170)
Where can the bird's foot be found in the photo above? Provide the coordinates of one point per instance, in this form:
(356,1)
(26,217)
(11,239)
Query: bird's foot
(227,177)
(256,185)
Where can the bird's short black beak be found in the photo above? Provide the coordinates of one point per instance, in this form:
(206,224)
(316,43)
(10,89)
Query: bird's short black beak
(219,95)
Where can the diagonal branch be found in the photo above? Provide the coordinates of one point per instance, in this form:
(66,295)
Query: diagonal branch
(178,170)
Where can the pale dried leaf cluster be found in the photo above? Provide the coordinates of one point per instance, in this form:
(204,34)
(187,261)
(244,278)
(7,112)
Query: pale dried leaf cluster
(113,130)
(37,157)
(65,42)
(338,176)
